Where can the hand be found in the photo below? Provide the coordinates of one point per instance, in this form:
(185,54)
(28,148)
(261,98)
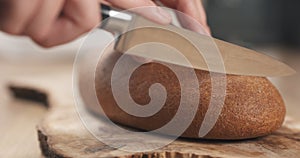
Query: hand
(192,8)
(49,22)
(53,22)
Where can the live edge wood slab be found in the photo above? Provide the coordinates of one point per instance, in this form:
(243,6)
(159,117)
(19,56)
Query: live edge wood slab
(62,134)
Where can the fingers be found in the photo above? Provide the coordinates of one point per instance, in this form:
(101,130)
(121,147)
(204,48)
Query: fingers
(49,22)
(53,22)
(105,2)
(15,15)
(42,22)
(199,4)
(195,10)
(146,8)
(77,17)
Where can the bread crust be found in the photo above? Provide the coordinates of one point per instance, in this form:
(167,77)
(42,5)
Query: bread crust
(253,107)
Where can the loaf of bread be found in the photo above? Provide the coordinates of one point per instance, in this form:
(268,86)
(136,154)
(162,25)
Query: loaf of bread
(253,106)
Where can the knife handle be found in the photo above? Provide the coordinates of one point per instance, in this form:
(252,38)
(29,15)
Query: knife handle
(105,9)
(115,21)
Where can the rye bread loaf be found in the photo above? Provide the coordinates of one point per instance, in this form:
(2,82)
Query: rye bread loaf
(253,106)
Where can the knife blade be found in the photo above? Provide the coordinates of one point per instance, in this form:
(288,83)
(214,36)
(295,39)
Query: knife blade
(140,37)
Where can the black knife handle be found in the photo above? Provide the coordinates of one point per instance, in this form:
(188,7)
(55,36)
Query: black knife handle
(114,20)
(105,9)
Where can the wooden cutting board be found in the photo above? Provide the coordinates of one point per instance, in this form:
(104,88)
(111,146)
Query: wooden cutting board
(62,134)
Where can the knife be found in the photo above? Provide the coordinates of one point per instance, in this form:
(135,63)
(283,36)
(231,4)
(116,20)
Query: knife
(140,37)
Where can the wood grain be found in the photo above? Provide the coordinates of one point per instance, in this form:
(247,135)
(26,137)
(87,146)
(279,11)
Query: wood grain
(62,134)
(18,120)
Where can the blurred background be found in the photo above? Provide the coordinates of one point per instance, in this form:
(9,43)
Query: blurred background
(256,22)
(271,27)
